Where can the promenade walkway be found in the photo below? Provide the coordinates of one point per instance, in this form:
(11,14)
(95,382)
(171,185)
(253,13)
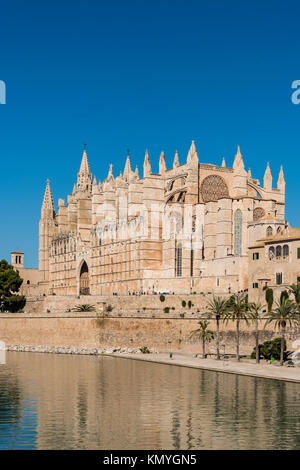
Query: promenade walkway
(267,371)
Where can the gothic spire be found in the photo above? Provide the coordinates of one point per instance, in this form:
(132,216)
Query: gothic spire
(162,163)
(48,211)
(147,165)
(110,172)
(281,180)
(95,188)
(127,169)
(176,163)
(223,163)
(192,156)
(84,167)
(268,179)
(84,179)
(238,160)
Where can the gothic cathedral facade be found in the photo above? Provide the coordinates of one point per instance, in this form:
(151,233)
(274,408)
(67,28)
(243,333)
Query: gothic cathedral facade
(110,236)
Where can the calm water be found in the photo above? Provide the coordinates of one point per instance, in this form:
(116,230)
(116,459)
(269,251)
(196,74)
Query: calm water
(81,402)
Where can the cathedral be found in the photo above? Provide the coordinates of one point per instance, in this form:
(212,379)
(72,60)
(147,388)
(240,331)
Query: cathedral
(187,229)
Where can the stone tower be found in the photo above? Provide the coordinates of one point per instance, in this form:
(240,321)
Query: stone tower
(46,232)
(17,259)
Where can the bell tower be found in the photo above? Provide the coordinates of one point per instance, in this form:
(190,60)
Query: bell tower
(17,259)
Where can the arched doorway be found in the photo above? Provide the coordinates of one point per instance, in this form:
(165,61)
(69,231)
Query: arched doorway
(84,280)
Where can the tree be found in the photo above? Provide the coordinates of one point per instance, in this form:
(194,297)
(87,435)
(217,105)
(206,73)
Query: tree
(284,314)
(204,334)
(294,289)
(254,311)
(269,349)
(217,306)
(10,283)
(237,310)
(269,298)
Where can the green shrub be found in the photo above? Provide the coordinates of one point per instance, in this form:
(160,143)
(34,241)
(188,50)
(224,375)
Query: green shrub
(84,308)
(14,303)
(270,349)
(284,295)
(162,298)
(167,309)
(183,303)
(145,350)
(189,304)
(269,298)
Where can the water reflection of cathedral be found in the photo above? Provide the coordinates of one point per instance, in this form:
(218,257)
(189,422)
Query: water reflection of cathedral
(108,403)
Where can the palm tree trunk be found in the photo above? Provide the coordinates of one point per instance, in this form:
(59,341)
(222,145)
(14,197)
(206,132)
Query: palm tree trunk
(203,348)
(218,338)
(256,339)
(238,340)
(282,345)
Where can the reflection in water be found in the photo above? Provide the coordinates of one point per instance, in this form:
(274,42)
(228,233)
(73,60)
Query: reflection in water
(82,402)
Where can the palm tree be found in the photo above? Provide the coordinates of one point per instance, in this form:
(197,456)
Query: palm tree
(254,310)
(284,314)
(294,289)
(217,306)
(204,334)
(84,308)
(237,310)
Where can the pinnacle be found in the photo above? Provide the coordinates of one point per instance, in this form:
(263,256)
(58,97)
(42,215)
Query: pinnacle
(48,206)
(84,167)
(192,154)
(176,163)
(127,169)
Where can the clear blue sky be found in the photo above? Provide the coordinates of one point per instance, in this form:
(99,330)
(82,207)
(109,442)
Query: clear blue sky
(141,74)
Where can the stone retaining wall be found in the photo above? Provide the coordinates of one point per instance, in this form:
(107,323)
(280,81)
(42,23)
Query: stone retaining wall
(91,332)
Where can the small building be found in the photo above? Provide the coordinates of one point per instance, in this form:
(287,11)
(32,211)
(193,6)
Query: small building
(30,276)
(274,261)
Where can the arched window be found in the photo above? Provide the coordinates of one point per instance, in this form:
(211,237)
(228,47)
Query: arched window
(179,261)
(285,251)
(279,230)
(278,251)
(84,283)
(271,252)
(269,231)
(238,221)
